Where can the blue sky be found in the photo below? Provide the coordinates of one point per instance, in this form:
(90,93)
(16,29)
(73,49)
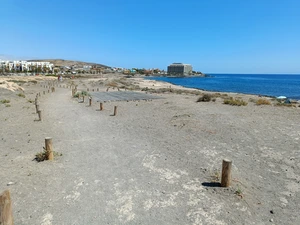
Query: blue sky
(215,36)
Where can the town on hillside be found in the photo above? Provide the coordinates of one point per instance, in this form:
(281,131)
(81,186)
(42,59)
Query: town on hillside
(32,67)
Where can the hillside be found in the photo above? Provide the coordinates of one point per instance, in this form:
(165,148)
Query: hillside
(62,62)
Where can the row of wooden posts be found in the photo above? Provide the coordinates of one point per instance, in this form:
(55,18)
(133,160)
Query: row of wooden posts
(74,91)
(6,216)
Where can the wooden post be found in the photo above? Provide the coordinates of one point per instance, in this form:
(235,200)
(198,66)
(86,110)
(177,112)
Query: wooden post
(40,114)
(40,94)
(82,98)
(115,110)
(226,173)
(37,107)
(101,106)
(49,148)
(90,101)
(6,217)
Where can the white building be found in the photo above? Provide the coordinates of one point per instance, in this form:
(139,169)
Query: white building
(24,66)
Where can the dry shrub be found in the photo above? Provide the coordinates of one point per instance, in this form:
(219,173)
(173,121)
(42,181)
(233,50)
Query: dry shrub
(263,101)
(176,91)
(205,98)
(252,100)
(112,84)
(285,104)
(235,102)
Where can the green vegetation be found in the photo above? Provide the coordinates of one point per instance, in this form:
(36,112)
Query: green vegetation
(81,93)
(239,192)
(21,95)
(7,105)
(17,81)
(4,101)
(51,75)
(42,156)
(235,102)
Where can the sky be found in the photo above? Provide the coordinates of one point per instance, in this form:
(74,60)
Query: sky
(215,36)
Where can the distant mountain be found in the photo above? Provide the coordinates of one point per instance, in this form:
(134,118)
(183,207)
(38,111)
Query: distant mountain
(62,62)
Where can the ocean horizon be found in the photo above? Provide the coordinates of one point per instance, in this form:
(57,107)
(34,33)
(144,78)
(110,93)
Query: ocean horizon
(272,85)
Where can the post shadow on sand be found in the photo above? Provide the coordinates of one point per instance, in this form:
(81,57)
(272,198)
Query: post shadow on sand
(211,184)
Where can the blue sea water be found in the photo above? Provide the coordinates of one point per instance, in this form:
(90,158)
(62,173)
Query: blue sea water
(259,84)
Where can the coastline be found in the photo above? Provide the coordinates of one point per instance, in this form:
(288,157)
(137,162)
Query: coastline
(161,157)
(143,82)
(259,84)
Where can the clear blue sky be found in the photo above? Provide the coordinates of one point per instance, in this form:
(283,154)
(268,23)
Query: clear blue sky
(220,36)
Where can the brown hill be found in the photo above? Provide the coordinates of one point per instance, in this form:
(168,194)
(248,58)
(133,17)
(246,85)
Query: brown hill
(62,62)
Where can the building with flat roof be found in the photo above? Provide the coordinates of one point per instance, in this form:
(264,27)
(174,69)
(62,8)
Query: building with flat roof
(180,69)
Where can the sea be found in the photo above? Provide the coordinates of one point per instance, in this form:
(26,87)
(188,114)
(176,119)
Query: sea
(273,85)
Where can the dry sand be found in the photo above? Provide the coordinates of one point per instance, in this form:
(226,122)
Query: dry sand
(156,162)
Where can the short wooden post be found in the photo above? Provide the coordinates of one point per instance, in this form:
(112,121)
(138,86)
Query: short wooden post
(39,93)
(82,98)
(6,217)
(226,173)
(37,107)
(40,114)
(115,110)
(90,101)
(101,106)
(49,148)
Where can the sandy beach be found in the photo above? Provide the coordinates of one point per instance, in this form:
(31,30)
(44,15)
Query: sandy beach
(156,162)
